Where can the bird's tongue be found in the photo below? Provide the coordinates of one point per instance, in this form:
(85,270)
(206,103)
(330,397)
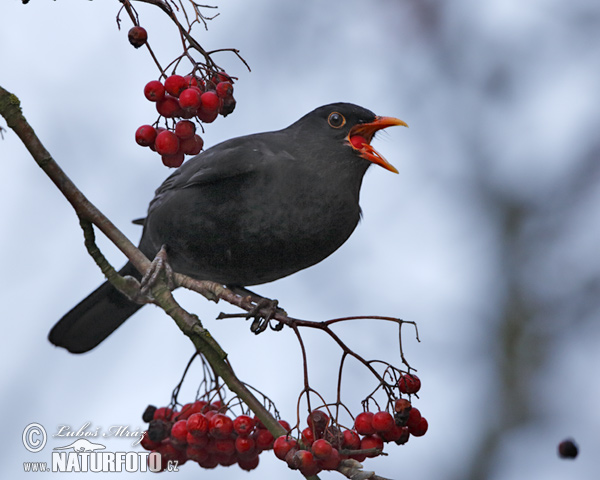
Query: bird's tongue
(369,153)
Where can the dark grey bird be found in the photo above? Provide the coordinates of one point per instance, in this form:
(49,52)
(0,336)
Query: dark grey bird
(248,211)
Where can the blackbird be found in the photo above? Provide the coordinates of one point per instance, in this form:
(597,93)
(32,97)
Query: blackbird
(248,211)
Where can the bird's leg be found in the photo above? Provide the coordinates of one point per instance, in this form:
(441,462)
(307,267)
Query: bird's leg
(158,265)
(263,311)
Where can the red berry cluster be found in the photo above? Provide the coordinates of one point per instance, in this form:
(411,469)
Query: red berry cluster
(184,98)
(322,445)
(202,432)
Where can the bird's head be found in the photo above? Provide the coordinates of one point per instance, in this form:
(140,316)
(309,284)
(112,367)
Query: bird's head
(353,127)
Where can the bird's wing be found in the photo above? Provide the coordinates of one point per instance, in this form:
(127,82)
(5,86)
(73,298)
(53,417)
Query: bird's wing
(239,156)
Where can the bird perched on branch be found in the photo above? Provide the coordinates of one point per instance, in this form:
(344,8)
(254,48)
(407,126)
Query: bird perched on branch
(248,211)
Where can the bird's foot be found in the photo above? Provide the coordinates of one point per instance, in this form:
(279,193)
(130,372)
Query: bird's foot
(158,266)
(263,312)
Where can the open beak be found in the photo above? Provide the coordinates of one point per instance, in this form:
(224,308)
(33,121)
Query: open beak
(360,137)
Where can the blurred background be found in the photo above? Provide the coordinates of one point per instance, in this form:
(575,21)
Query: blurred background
(488,238)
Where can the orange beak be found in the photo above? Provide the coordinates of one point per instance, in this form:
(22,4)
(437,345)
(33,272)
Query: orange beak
(360,137)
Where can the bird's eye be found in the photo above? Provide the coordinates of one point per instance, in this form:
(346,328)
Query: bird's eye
(336,120)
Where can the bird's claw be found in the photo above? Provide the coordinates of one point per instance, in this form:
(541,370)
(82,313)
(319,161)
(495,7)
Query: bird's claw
(159,264)
(262,321)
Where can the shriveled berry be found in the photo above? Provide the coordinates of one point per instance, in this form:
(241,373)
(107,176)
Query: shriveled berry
(168,107)
(148,414)
(224,89)
(318,421)
(175,84)
(383,422)
(371,441)
(243,424)
(220,426)
(166,143)
(321,448)
(227,106)
(148,444)
(137,36)
(145,136)
(283,445)
(158,430)
(402,409)
(154,91)
(364,423)
(567,449)
(409,383)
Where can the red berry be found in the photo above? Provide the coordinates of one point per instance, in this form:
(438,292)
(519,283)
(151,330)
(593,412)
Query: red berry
(166,143)
(207,116)
(145,135)
(414,417)
(190,99)
(197,425)
(364,423)
(173,161)
(243,424)
(306,463)
(357,141)
(318,421)
(225,446)
(210,101)
(332,462)
(285,425)
(179,432)
(168,107)
(371,441)
(163,413)
(137,36)
(148,444)
(199,442)
(283,445)
(351,440)
(224,89)
(409,383)
(185,129)
(220,426)
(420,429)
(264,439)
(308,437)
(567,449)
(192,146)
(193,81)
(154,91)
(393,435)
(383,422)
(248,463)
(321,449)
(175,84)
(244,445)
(196,454)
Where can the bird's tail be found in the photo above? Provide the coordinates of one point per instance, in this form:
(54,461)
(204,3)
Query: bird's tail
(94,318)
